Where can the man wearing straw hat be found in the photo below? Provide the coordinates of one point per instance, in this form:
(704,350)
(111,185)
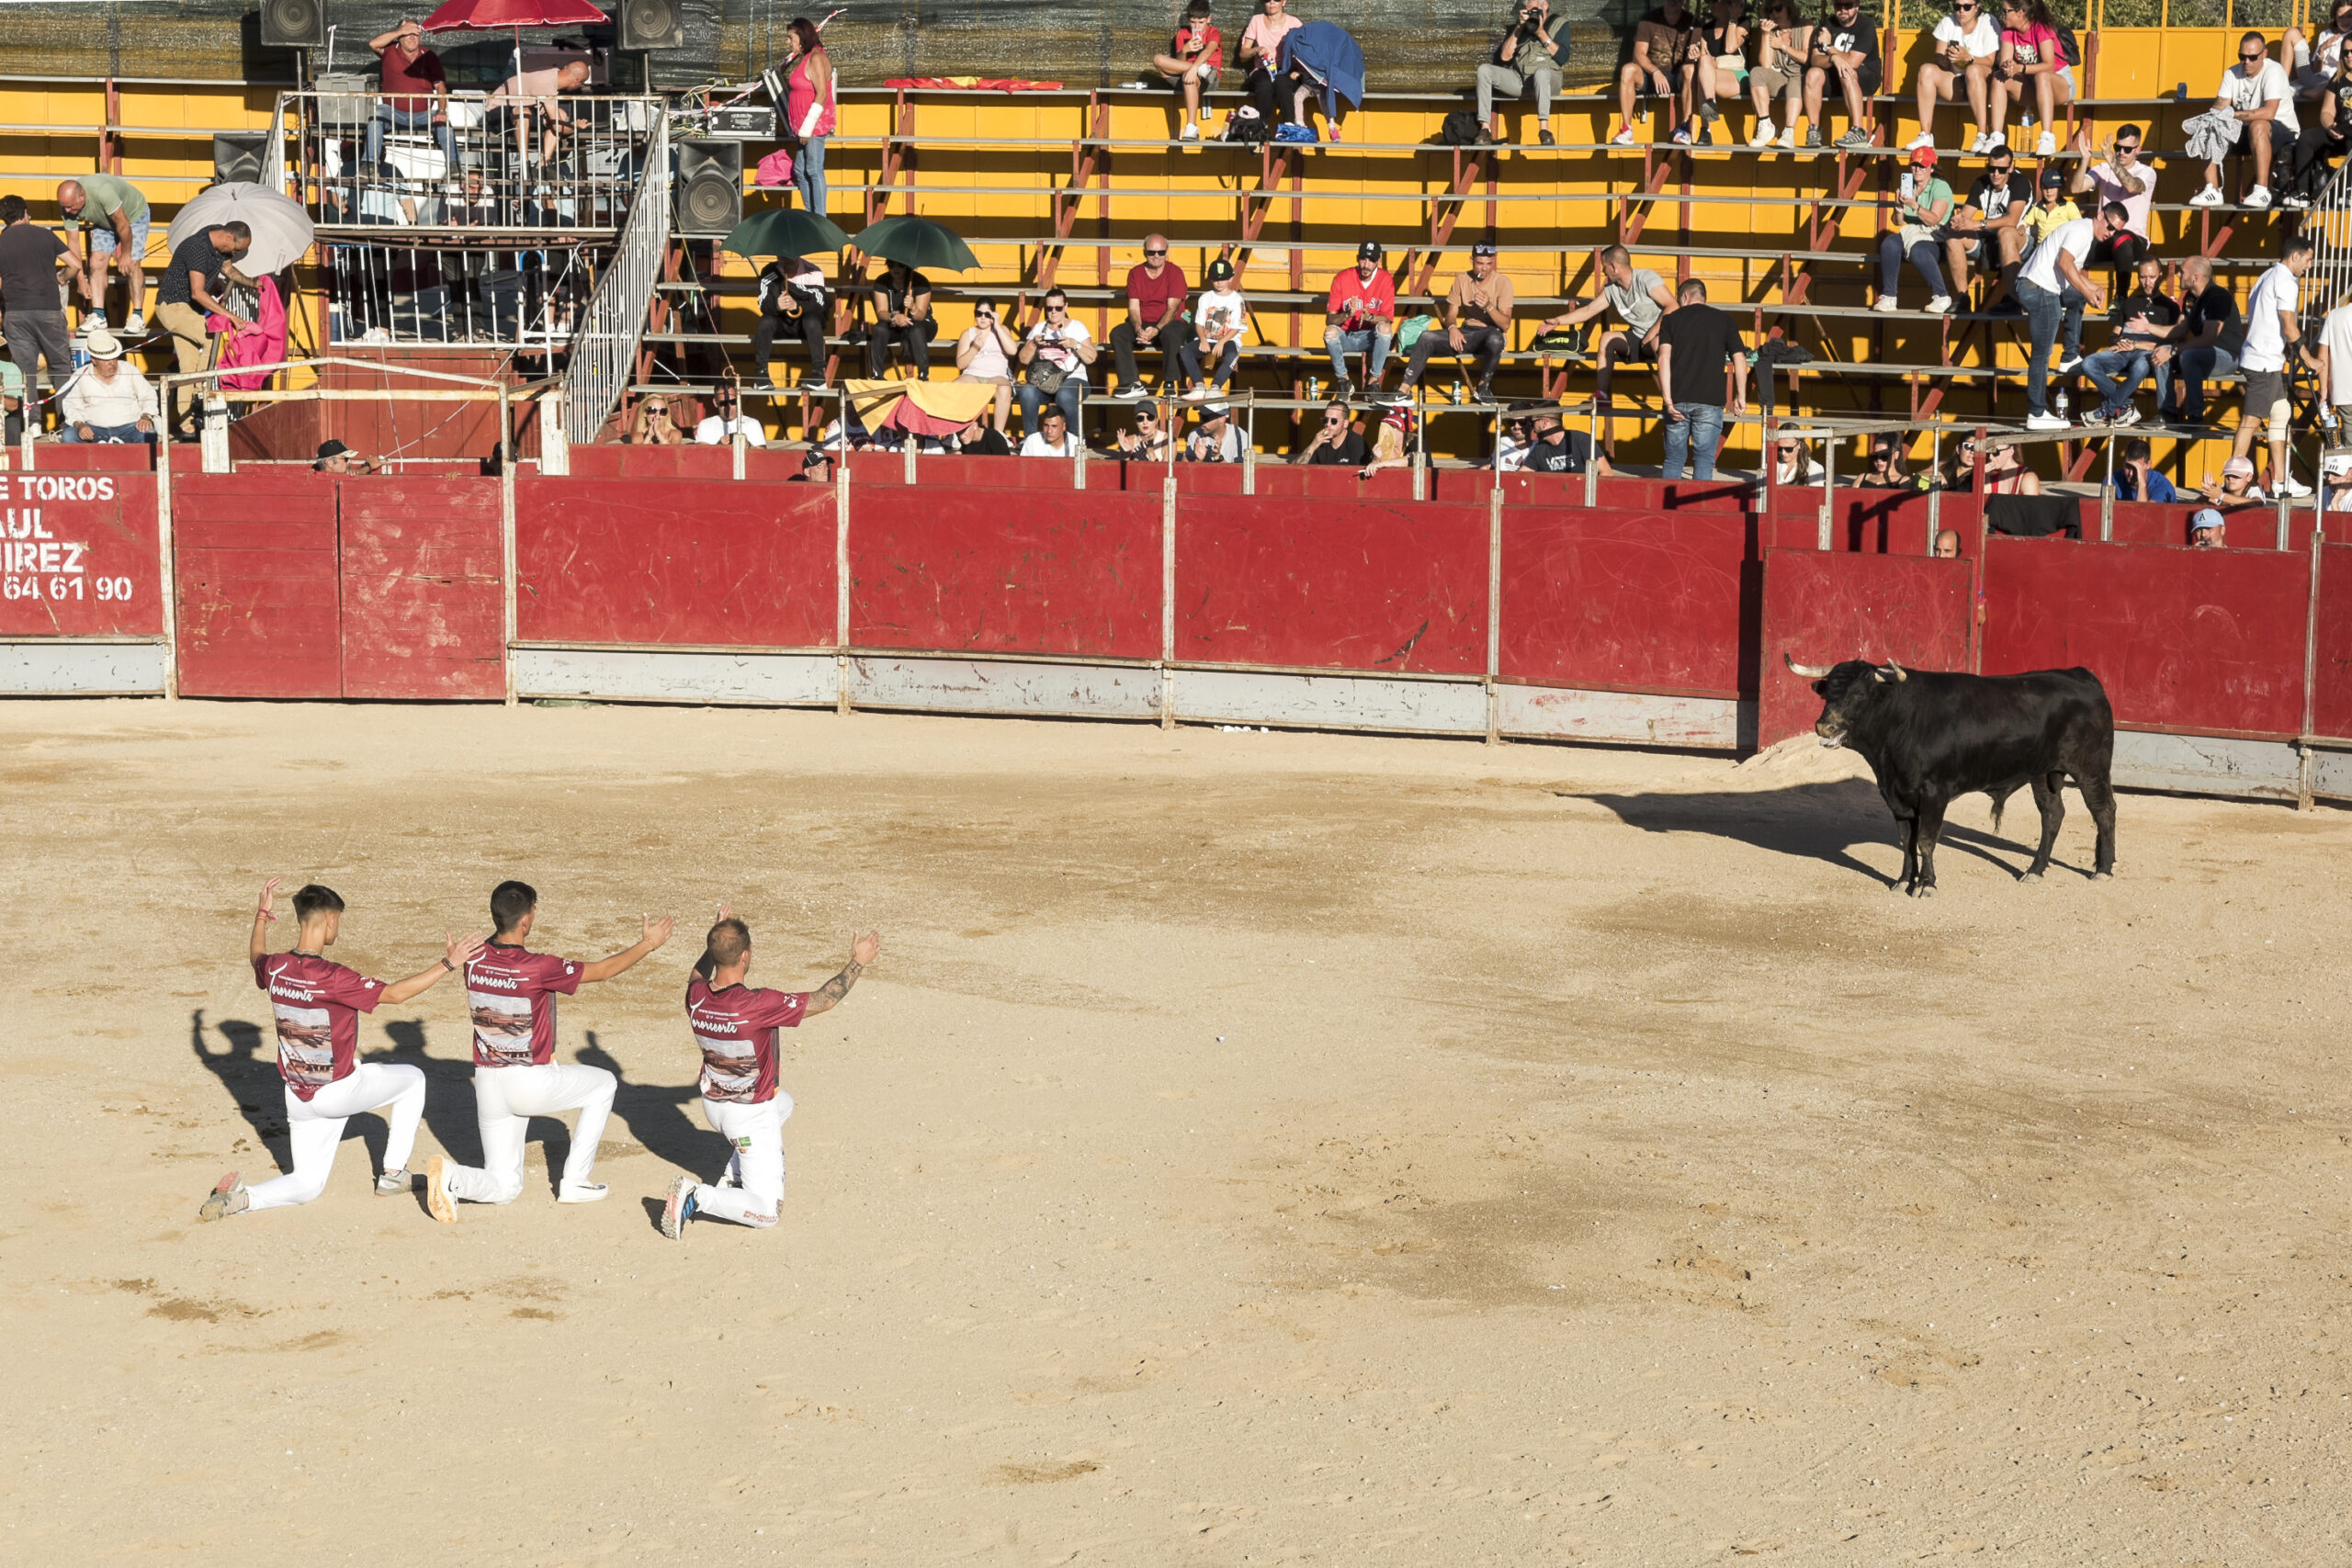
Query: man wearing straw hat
(108,402)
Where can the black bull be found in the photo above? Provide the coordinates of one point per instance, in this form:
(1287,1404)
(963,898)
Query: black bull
(1930,735)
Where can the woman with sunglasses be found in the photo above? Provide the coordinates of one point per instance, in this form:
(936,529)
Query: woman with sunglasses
(2254,112)
(1793,463)
(652,426)
(1147,443)
(1967,48)
(2032,64)
(983,354)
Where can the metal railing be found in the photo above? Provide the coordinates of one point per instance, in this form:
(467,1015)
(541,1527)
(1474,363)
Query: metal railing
(359,164)
(526,300)
(605,344)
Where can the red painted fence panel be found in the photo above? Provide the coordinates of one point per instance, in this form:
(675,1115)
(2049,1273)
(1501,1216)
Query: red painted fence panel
(2206,641)
(260,598)
(1824,607)
(1381,588)
(1586,598)
(423,613)
(79,557)
(1056,571)
(2331,645)
(722,563)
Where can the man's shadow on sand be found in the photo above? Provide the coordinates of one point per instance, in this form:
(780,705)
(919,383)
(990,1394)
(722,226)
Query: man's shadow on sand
(656,1117)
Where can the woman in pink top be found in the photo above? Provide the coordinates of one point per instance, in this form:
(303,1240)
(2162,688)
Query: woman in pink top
(1261,41)
(809,105)
(2032,63)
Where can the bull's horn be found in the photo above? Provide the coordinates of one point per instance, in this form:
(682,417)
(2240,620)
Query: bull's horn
(1810,671)
(1897,671)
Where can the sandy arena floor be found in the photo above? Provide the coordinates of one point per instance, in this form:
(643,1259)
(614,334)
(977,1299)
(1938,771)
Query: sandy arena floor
(1250,1148)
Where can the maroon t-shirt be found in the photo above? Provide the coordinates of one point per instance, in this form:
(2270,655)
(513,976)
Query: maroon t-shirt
(1155,292)
(736,1028)
(402,74)
(318,1003)
(512,992)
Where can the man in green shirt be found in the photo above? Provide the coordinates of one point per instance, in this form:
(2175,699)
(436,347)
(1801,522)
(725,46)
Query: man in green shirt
(116,214)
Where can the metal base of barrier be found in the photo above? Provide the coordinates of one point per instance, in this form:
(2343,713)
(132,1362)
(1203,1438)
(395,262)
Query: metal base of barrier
(1004,686)
(1330,702)
(2206,764)
(1549,712)
(54,667)
(661,676)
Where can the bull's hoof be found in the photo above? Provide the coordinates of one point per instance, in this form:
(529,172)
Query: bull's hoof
(2102,877)
(1923,892)
(2029,876)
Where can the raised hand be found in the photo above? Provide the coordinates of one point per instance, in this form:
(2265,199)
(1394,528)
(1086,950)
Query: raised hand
(463,949)
(658,928)
(866,948)
(268,898)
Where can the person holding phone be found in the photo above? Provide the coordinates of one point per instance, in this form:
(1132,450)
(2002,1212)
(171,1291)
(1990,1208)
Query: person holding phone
(1190,65)
(984,354)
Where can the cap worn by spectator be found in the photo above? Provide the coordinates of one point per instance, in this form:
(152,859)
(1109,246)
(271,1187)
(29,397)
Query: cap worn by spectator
(1219,269)
(1370,250)
(2053,178)
(2205,520)
(1483,252)
(2239,468)
(2336,464)
(103,345)
(1922,157)
(328,451)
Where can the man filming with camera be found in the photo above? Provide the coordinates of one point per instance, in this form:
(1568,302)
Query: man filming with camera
(1527,55)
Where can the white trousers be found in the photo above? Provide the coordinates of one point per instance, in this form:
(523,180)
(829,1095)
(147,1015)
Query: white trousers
(314,1128)
(757,1132)
(505,1099)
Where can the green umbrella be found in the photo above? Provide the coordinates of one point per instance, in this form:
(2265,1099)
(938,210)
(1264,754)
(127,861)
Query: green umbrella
(785,231)
(917,241)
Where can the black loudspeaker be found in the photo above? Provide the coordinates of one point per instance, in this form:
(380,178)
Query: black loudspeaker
(709,184)
(293,23)
(239,157)
(650,24)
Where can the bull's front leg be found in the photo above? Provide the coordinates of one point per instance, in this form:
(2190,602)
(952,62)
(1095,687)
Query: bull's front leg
(1907,834)
(1928,829)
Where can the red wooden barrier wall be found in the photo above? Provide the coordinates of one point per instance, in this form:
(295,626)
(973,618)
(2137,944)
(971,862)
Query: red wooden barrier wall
(424,602)
(2331,645)
(260,598)
(78,555)
(1826,607)
(689,562)
(1586,595)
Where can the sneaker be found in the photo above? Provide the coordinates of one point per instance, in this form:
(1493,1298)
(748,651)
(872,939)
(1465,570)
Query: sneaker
(1885,305)
(2047,147)
(1811,140)
(393,1181)
(1763,134)
(2256,199)
(94,321)
(2123,419)
(582,1192)
(1982,145)
(2044,422)
(1131,391)
(2292,489)
(2066,366)
(136,325)
(1190,133)
(1624,137)
(2293,203)
(2095,419)
(1484,392)
(438,1200)
(2210,197)
(760,384)
(1709,112)
(678,1207)
(1788,140)
(1939,306)
(1401,398)
(1343,391)
(1682,136)
(820,385)
(2007,306)
(1924,139)
(1855,138)
(1196,394)
(1546,139)
(228,1197)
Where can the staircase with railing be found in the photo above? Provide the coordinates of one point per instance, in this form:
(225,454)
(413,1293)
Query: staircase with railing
(611,326)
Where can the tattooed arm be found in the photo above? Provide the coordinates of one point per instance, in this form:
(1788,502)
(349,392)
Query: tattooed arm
(863,951)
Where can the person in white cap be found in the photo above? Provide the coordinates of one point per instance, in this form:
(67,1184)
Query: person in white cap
(109,400)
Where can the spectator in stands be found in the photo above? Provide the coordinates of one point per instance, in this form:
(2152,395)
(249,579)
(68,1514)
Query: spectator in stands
(1698,354)
(2053,288)
(1783,44)
(725,419)
(980,439)
(2254,107)
(1157,292)
(1793,463)
(812,105)
(536,95)
(1921,208)
(1054,353)
(2207,527)
(1051,438)
(1947,544)
(108,402)
(334,457)
(1528,56)
(1394,443)
(1335,443)
(2005,473)
(2335,364)
(2033,64)
(2137,478)
(2119,176)
(414,94)
(115,213)
(1884,469)
(984,354)
(1718,69)
(817,468)
(1148,441)
(1661,42)
(792,298)
(2203,344)
(1190,65)
(1261,40)
(1217,325)
(903,316)
(1987,231)
(188,293)
(1477,328)
(652,426)
(1967,46)
(1559,450)
(1510,447)
(2274,337)
(1213,440)
(2053,208)
(2144,321)
(1641,299)
(2327,130)
(1845,46)
(1360,317)
(31,298)
(2237,491)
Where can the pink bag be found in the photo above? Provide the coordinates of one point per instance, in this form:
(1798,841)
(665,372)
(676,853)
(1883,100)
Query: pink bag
(775,170)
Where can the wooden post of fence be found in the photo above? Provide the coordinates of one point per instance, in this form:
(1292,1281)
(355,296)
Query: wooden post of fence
(2308,764)
(2107,497)
(1495,607)
(168,577)
(840,551)
(506,551)
(1935,487)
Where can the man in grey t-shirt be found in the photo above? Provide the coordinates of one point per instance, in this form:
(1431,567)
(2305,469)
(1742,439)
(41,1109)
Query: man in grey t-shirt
(1641,299)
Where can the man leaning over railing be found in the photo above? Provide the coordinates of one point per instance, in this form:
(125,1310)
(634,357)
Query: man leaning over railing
(415,93)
